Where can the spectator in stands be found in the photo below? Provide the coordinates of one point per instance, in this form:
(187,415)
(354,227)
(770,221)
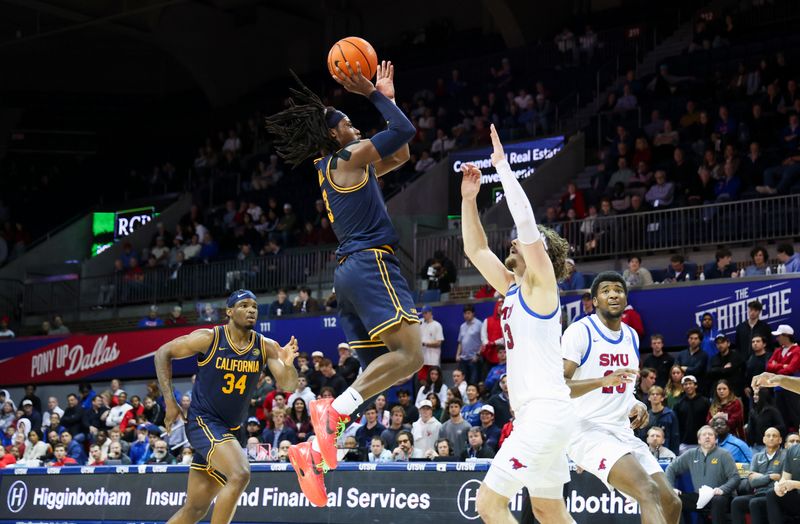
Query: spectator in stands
(151,320)
(161,454)
(636,275)
(572,199)
(405,449)
(701,189)
(52,407)
(5,332)
(305,303)
(662,193)
(765,469)
(792,439)
(432,337)
(575,280)
(469,345)
(760,257)
(117,413)
(278,430)
(693,360)
(116,455)
(676,272)
(426,429)
(95,456)
(94,418)
(281,306)
(780,179)
(645,381)
(763,415)
(302,392)
(658,360)
(409,409)
(785,360)
(709,334)
(460,384)
(664,418)
(632,318)
(587,306)
(432,383)
(723,268)
(499,401)
(253,429)
(331,378)
(497,372)
(488,427)
(708,465)
(757,363)
(655,442)
(395,425)
(153,412)
(477,448)
(371,428)
(348,366)
(729,186)
(256,452)
(176,317)
(58,326)
(36,450)
(726,403)
(28,412)
(789,258)
(377,452)
(74,449)
(737,447)
(750,328)
(61,458)
(784,499)
(472,408)
(54,424)
(691,411)
(727,364)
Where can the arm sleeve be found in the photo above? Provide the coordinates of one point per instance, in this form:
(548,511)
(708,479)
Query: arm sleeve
(518,204)
(400,130)
(575,343)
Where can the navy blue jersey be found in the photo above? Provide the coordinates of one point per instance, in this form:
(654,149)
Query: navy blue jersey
(358,213)
(226,376)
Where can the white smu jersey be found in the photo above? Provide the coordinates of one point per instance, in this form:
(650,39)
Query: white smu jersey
(533,352)
(599,351)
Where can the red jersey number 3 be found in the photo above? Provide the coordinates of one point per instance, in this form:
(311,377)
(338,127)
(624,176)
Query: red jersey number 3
(509,337)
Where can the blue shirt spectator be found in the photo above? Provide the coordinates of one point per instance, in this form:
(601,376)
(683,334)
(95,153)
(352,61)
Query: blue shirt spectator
(738,448)
(789,258)
(151,320)
(575,280)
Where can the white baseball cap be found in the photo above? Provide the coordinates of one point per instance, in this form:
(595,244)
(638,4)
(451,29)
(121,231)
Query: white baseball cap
(689,377)
(344,345)
(317,354)
(784,329)
(488,408)
(426,404)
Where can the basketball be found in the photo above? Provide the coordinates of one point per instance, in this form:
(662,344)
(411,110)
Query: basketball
(353,49)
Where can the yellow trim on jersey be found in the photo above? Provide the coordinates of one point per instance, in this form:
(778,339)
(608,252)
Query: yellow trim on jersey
(263,351)
(400,314)
(386,280)
(340,189)
(211,472)
(236,350)
(210,437)
(213,348)
(363,345)
(376,332)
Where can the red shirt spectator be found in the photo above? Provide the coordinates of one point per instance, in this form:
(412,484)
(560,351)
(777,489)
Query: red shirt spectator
(632,318)
(572,199)
(6,458)
(786,359)
(493,332)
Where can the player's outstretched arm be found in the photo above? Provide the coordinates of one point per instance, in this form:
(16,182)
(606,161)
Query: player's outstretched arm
(771,380)
(578,388)
(384,83)
(194,343)
(476,246)
(387,143)
(539,268)
(281,363)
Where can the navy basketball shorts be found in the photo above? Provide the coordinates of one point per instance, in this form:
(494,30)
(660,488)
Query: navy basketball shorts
(205,432)
(373,297)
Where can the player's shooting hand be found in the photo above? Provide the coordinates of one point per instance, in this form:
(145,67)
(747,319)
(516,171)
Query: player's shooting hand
(497,147)
(288,353)
(355,83)
(639,415)
(384,81)
(470,181)
(620,376)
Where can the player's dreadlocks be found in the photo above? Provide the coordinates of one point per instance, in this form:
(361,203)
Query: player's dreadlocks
(301,131)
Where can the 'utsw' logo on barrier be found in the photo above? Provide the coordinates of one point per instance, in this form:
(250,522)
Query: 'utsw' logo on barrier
(17,496)
(466,499)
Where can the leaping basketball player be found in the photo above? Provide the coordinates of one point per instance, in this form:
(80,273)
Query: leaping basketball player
(604,444)
(375,305)
(534,455)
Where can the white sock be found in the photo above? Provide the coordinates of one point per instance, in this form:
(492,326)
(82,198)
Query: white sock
(348,401)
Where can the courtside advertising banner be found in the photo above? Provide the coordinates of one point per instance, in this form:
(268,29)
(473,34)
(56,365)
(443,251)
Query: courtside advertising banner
(672,309)
(417,492)
(523,157)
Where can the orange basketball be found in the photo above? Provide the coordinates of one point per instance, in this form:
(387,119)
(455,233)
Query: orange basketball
(353,49)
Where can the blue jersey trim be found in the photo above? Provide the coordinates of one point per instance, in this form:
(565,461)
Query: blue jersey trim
(511,290)
(633,339)
(534,314)
(621,333)
(589,347)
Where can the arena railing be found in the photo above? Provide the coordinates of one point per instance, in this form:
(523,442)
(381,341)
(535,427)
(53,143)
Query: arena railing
(193,281)
(679,228)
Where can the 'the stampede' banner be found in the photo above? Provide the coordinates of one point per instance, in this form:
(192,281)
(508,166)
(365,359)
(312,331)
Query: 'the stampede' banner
(523,157)
(414,492)
(672,309)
